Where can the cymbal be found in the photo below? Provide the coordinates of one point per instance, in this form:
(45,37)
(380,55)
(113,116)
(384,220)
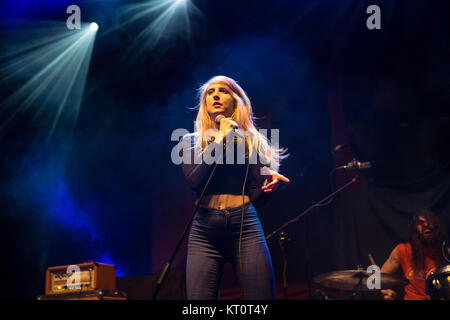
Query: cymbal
(350,279)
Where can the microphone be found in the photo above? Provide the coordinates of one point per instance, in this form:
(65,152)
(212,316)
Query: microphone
(220,117)
(339,147)
(235,128)
(355,164)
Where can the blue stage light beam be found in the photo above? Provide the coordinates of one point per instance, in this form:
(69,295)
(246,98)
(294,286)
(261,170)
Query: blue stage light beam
(163,19)
(93,27)
(47,65)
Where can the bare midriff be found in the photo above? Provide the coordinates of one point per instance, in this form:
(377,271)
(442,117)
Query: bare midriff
(223,201)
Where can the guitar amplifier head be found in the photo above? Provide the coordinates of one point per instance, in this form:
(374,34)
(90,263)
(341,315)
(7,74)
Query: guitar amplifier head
(80,277)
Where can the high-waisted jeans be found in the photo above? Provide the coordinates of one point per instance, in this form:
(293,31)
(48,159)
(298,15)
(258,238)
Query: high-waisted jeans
(214,240)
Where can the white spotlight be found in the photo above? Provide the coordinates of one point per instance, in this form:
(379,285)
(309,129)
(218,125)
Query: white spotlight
(93,26)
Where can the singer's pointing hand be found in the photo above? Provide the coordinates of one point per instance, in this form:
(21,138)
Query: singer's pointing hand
(273,180)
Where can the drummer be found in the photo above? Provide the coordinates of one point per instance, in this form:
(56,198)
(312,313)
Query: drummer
(418,258)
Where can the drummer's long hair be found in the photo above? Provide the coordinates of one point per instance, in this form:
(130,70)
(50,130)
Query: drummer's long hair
(418,246)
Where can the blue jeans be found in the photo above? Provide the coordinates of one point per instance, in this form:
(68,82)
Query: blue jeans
(214,240)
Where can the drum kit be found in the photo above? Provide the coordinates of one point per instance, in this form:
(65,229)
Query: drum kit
(356,282)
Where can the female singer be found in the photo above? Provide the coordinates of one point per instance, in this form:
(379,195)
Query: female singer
(226,227)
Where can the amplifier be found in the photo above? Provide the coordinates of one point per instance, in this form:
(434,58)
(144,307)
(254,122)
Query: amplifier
(88,276)
(86,295)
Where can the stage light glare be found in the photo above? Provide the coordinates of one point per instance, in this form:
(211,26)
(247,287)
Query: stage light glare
(93,26)
(47,66)
(158,20)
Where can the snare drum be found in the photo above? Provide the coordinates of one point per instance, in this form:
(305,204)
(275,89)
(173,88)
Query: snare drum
(438,284)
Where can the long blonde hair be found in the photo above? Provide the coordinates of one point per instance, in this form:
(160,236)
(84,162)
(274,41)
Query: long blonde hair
(243,115)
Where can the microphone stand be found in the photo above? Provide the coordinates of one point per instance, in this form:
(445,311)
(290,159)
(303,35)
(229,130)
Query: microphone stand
(282,242)
(169,264)
(282,234)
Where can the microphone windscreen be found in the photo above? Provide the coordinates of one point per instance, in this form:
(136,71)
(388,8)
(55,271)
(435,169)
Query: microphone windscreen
(219,118)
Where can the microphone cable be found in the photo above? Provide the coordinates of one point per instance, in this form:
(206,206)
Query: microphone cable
(242,217)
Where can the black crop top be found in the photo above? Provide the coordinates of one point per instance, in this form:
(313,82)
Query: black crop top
(227,179)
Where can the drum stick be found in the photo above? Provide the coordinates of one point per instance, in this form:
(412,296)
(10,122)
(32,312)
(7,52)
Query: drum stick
(371,260)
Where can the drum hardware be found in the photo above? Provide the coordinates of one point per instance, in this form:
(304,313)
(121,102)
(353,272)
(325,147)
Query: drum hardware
(355,281)
(282,235)
(372,261)
(438,284)
(282,242)
(319,295)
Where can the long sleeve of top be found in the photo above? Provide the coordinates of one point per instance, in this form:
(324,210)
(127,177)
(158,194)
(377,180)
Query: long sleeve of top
(227,179)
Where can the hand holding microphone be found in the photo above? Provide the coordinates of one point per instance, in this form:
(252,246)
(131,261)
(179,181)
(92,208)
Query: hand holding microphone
(226,125)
